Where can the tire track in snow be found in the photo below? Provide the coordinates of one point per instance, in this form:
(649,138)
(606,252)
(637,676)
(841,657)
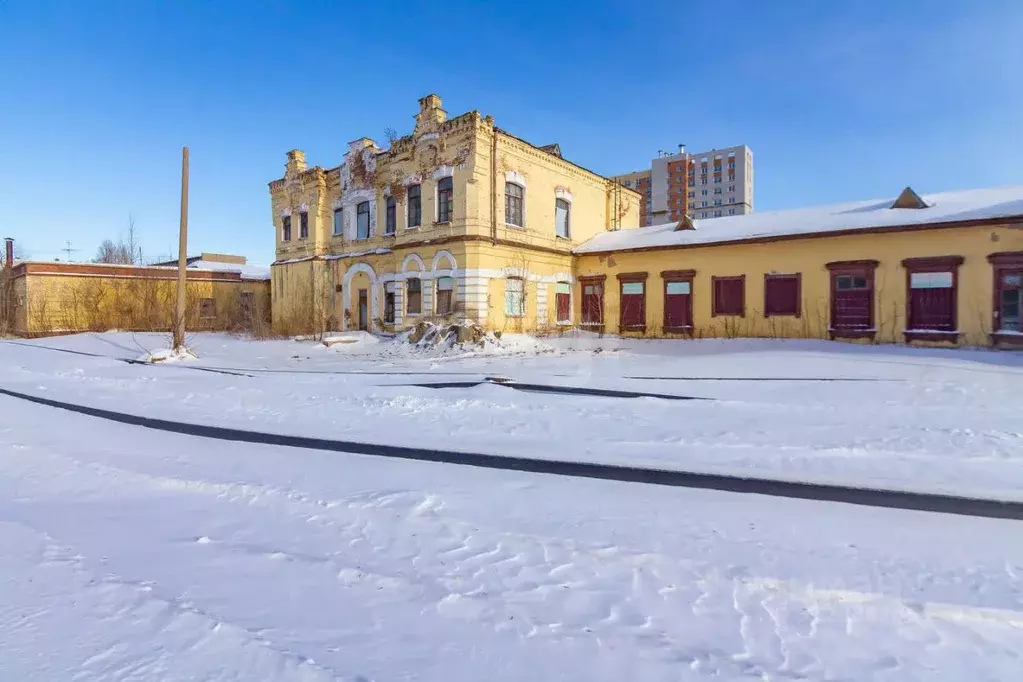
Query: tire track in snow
(555,588)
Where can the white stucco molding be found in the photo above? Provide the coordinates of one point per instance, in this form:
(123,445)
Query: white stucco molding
(412,179)
(413,258)
(446,255)
(426,137)
(563,193)
(303,208)
(357,196)
(336,204)
(285,212)
(443,172)
(516,177)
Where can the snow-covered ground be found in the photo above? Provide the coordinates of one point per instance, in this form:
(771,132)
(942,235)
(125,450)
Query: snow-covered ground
(135,554)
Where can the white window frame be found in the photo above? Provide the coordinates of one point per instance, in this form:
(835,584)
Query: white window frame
(509,297)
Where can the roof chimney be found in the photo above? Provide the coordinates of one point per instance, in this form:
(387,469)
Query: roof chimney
(8,252)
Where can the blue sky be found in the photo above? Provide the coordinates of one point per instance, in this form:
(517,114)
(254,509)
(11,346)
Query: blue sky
(839,101)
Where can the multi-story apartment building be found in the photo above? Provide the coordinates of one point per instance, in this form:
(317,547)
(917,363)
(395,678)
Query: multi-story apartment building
(704,185)
(458,218)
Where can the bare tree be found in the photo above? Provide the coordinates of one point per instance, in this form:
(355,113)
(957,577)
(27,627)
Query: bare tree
(125,251)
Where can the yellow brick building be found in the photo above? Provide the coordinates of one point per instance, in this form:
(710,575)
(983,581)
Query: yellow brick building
(458,219)
(938,269)
(223,293)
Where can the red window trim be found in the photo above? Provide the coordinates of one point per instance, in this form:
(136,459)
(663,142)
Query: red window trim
(933,264)
(1000,262)
(866,268)
(799,293)
(678,276)
(629,278)
(713,295)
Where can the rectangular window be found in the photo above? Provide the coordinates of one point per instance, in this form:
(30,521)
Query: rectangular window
(703,192)
(514,301)
(389,290)
(445,202)
(563,302)
(414,296)
(338,221)
(678,302)
(729,295)
(362,220)
(717,180)
(513,196)
(632,306)
(731,188)
(1009,300)
(445,285)
(286,228)
(390,215)
(852,297)
(207,308)
(303,225)
(717,214)
(931,296)
(561,217)
(782,295)
(415,206)
(717,190)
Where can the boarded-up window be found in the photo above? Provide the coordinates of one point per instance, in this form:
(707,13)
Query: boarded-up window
(286,228)
(852,296)
(633,305)
(513,201)
(303,225)
(445,196)
(445,285)
(390,215)
(561,217)
(563,301)
(414,291)
(514,301)
(415,205)
(389,291)
(362,220)
(592,302)
(207,308)
(245,305)
(678,305)
(729,295)
(782,295)
(931,295)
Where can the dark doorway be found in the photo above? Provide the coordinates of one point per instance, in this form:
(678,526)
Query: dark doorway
(363,309)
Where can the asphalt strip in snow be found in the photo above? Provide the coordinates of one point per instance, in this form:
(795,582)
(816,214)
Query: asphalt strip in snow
(892,499)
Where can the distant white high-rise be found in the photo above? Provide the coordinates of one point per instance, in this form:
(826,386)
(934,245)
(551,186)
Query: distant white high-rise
(703,185)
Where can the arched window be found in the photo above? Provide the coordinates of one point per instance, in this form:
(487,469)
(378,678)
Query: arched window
(514,199)
(562,210)
(391,215)
(445,196)
(415,206)
(514,299)
(362,220)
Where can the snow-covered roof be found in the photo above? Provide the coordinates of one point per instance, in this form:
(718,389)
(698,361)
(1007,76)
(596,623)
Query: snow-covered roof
(945,207)
(246,271)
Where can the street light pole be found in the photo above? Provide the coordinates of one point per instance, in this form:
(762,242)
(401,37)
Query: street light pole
(180,308)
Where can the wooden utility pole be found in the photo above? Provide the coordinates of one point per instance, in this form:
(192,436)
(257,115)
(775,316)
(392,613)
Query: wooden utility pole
(180,308)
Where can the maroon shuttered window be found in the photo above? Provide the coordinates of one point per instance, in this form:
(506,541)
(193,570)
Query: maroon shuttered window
(931,293)
(632,302)
(563,302)
(678,301)
(782,295)
(852,298)
(592,301)
(729,294)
